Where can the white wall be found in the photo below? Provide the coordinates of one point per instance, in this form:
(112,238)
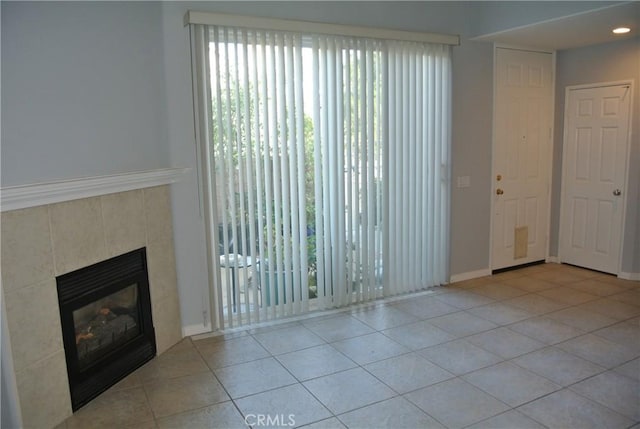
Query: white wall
(601,63)
(82,90)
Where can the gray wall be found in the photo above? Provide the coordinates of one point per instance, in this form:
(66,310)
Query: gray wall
(82,90)
(471,156)
(601,63)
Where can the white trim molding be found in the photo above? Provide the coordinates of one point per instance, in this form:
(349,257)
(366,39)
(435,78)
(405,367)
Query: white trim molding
(38,194)
(470,275)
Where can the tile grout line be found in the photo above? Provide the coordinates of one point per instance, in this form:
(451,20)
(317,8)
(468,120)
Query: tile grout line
(410,350)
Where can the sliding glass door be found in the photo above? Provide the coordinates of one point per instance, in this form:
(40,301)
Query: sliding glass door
(324,167)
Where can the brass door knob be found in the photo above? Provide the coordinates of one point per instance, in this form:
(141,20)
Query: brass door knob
(499,191)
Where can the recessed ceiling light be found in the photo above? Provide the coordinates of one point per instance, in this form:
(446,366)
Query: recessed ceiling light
(621,30)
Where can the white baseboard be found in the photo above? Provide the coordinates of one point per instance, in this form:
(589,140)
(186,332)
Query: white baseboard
(552,260)
(630,276)
(191,330)
(470,275)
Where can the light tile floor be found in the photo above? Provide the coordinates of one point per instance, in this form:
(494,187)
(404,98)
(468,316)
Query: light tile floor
(544,346)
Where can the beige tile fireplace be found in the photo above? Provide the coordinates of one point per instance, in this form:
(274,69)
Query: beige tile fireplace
(45,241)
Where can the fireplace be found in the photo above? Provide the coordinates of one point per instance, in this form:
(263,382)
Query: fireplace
(107,328)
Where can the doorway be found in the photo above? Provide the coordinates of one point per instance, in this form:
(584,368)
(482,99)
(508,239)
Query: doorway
(521,156)
(595,158)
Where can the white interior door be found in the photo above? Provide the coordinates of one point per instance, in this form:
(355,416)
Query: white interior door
(594,174)
(522,141)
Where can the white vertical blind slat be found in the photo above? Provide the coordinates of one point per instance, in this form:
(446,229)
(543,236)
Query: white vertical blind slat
(249,179)
(317,138)
(292,159)
(225,130)
(278,131)
(241,235)
(354,246)
(301,200)
(326,151)
(330,168)
(259,275)
(339,160)
(419,273)
(390,191)
(284,230)
(379,160)
(387,171)
(397,155)
(445,106)
(406,177)
(348,153)
(370,185)
(431,164)
(360,270)
(268,122)
(436,164)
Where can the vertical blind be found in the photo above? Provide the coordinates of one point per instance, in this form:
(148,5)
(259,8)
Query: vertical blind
(347,106)
(417,161)
(324,168)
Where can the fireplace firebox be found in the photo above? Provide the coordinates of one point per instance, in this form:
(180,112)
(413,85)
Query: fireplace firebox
(107,328)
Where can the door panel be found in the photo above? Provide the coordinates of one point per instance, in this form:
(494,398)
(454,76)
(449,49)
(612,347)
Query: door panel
(531,215)
(594,172)
(604,222)
(523,109)
(579,230)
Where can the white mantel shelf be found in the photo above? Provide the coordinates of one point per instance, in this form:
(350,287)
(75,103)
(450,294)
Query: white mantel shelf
(38,194)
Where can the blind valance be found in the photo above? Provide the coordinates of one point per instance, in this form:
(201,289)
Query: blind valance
(259,23)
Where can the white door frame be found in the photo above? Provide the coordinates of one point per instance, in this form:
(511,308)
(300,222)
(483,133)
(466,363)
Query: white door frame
(625,199)
(497,46)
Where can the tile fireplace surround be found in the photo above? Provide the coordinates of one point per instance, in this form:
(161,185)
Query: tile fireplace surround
(45,241)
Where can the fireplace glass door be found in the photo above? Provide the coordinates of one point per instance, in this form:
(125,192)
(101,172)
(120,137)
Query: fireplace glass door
(106,324)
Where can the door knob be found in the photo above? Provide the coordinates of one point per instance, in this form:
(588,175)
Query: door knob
(499,191)
(617,192)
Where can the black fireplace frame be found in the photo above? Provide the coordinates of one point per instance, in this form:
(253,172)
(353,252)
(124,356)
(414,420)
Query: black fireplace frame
(86,285)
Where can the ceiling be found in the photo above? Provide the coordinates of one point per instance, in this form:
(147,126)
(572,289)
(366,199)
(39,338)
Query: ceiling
(574,31)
